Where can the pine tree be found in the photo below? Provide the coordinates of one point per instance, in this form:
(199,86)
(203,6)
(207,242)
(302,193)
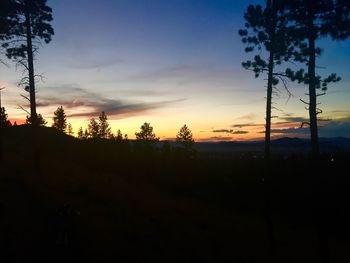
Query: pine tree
(93,129)
(146,133)
(8,19)
(70,129)
(86,134)
(266,30)
(40,120)
(119,136)
(60,120)
(105,129)
(310,20)
(81,134)
(185,137)
(31,22)
(4,122)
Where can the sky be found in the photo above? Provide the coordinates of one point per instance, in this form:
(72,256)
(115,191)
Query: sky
(169,63)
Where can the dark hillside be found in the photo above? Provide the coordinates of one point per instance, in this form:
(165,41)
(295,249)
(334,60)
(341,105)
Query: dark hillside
(139,202)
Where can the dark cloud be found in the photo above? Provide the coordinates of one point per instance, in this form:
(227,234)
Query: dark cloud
(294,131)
(243,125)
(293,119)
(329,129)
(73,97)
(240,132)
(336,129)
(217,138)
(230,131)
(118,108)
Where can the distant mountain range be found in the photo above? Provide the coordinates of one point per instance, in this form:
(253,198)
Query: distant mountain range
(278,146)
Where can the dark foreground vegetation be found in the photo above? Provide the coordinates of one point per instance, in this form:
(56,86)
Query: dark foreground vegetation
(110,201)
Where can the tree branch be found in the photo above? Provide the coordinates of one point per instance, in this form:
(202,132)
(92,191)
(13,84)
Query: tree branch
(21,108)
(307,103)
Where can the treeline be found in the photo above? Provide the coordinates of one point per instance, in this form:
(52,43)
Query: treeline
(100,128)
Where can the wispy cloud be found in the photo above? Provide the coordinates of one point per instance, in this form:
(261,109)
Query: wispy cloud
(84,103)
(293,119)
(230,131)
(244,125)
(293,130)
(248,117)
(216,139)
(201,76)
(117,109)
(95,63)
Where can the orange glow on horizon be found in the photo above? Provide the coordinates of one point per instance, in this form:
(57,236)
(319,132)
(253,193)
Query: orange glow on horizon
(129,127)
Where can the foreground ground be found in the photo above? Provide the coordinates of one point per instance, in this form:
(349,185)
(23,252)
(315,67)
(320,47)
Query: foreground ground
(97,202)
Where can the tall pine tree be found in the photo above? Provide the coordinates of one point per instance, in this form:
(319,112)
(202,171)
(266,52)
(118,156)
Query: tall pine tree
(146,133)
(31,23)
(60,120)
(310,21)
(266,33)
(93,130)
(185,137)
(104,128)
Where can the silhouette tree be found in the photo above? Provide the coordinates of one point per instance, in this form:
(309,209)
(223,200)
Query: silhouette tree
(311,20)
(104,128)
(338,21)
(86,134)
(93,129)
(266,30)
(146,133)
(70,129)
(185,137)
(119,136)
(41,121)
(60,120)
(81,134)
(4,122)
(30,25)
(8,18)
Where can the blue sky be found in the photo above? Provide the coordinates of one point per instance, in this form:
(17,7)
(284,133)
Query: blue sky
(168,62)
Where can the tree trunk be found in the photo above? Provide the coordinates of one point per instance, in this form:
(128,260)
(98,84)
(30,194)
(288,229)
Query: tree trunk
(1,151)
(268,108)
(312,85)
(272,30)
(322,225)
(272,12)
(34,117)
(31,69)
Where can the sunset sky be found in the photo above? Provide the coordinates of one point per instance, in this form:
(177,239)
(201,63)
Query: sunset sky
(168,62)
